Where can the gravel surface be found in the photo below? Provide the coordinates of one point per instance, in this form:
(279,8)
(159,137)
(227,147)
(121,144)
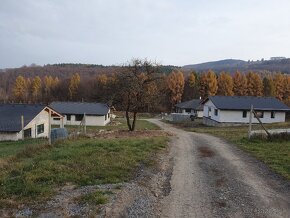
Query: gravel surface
(212,178)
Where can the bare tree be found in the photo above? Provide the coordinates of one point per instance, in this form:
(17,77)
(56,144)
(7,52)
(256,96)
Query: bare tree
(137,88)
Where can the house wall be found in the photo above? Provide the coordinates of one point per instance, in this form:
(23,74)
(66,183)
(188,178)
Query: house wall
(41,118)
(91,120)
(7,136)
(228,116)
(192,111)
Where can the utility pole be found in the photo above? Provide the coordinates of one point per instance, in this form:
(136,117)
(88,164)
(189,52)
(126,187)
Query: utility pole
(250,122)
(22,127)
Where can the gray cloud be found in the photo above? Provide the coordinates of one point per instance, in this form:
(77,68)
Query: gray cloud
(114,31)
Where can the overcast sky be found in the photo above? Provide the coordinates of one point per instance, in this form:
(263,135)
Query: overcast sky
(109,32)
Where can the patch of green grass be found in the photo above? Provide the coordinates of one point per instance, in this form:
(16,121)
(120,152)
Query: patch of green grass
(275,153)
(95,198)
(80,162)
(10,148)
(140,125)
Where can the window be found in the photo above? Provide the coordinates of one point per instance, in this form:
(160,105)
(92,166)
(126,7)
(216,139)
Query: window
(56,118)
(68,117)
(27,133)
(106,117)
(40,129)
(187,110)
(79,117)
(272,114)
(244,114)
(260,114)
(216,112)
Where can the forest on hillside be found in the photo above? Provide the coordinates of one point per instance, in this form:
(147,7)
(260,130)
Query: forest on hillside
(96,83)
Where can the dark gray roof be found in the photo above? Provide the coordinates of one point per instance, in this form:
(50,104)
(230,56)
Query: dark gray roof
(192,104)
(80,108)
(10,115)
(245,102)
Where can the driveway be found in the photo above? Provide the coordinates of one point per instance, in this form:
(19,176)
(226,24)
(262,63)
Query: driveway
(212,178)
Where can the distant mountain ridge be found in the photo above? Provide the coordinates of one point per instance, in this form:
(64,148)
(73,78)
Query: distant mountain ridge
(232,65)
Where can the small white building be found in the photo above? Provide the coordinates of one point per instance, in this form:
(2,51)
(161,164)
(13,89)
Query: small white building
(235,110)
(76,113)
(18,121)
(192,107)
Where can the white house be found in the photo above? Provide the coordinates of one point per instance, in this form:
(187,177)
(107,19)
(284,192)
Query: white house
(19,121)
(231,110)
(75,113)
(192,107)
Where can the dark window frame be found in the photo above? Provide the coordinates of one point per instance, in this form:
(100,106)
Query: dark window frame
(273,114)
(245,114)
(27,133)
(79,117)
(40,129)
(260,114)
(216,112)
(68,117)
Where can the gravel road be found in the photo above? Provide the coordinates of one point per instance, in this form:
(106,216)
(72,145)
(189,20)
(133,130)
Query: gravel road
(211,178)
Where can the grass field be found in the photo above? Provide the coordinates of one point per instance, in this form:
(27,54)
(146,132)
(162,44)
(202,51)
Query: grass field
(140,125)
(276,153)
(32,173)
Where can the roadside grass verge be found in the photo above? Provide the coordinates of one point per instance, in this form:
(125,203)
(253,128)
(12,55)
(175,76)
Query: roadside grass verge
(120,124)
(275,153)
(36,177)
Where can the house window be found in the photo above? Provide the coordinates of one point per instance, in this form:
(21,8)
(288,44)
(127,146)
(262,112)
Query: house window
(79,117)
(106,117)
(27,133)
(272,114)
(244,114)
(187,110)
(216,112)
(260,114)
(68,117)
(40,129)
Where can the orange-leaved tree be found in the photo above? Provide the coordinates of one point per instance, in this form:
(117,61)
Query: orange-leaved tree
(208,84)
(20,89)
(254,84)
(239,84)
(175,83)
(225,84)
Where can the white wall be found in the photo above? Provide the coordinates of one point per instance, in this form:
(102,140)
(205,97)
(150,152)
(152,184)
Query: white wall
(237,117)
(230,116)
(41,118)
(13,136)
(91,120)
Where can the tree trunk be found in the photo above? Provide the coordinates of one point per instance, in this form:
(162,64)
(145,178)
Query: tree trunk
(134,121)
(128,120)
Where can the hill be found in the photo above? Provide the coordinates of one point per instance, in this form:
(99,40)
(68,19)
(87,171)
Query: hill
(232,65)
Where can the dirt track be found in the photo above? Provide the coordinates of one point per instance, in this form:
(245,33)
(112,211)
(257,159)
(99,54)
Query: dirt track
(211,178)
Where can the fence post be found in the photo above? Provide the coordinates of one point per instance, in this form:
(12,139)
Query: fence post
(22,127)
(250,122)
(49,127)
(85,124)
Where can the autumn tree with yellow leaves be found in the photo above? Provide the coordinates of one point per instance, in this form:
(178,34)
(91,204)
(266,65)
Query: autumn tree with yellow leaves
(175,83)
(20,89)
(208,84)
(74,85)
(254,84)
(225,84)
(35,88)
(239,84)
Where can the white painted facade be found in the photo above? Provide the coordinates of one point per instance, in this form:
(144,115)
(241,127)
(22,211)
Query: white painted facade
(192,112)
(236,116)
(41,119)
(90,120)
